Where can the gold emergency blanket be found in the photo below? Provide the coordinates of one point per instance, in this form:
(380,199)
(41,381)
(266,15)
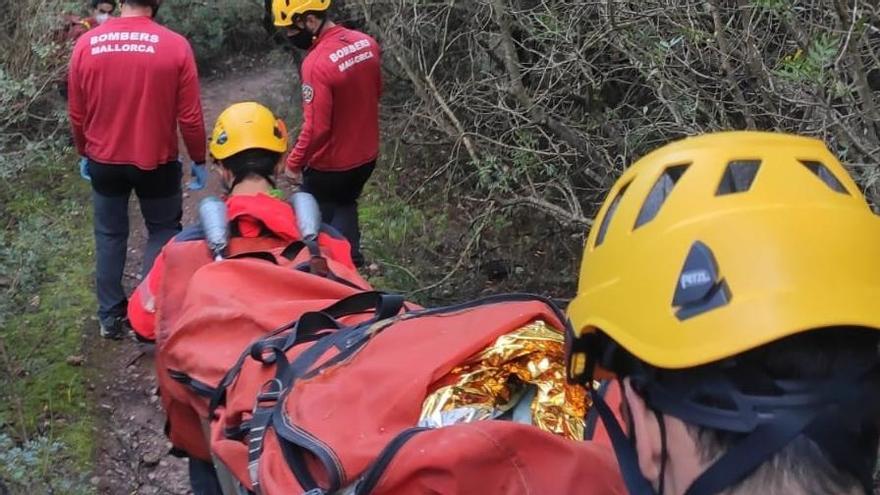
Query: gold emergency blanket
(493,382)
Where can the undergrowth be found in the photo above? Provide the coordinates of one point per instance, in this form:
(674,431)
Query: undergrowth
(46,425)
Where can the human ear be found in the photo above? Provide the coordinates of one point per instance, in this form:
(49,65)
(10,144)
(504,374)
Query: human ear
(313,23)
(646,430)
(225,173)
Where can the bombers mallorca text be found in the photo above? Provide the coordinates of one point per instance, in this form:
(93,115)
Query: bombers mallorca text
(350,50)
(124,42)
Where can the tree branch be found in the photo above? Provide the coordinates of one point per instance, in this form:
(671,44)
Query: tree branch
(537,114)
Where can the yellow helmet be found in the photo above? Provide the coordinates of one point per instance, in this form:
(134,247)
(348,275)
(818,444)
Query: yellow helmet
(284,11)
(719,244)
(245,126)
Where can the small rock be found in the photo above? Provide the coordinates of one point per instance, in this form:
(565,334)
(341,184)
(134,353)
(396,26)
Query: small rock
(76,360)
(95,481)
(373,268)
(35,301)
(151,459)
(519,270)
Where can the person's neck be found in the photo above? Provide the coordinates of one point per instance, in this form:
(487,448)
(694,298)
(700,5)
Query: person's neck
(328,25)
(251,187)
(135,11)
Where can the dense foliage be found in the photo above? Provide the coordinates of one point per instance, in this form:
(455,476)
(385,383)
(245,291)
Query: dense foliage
(543,102)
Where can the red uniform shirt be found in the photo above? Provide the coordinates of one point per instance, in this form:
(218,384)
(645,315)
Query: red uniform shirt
(341,86)
(131,83)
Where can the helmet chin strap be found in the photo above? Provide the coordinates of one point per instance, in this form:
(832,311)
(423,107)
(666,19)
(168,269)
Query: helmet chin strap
(733,466)
(826,402)
(664,452)
(833,412)
(624,450)
(320,28)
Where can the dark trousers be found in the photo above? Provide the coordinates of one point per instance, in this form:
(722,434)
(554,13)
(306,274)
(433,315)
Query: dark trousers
(203,478)
(160,198)
(337,194)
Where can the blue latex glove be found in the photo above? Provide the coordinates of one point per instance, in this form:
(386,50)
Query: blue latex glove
(84,168)
(199,173)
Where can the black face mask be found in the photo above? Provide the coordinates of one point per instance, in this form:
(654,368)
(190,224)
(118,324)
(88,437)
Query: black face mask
(303,39)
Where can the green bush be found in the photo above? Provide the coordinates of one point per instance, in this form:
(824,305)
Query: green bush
(218,28)
(529,111)
(29,466)
(31,67)
(46,300)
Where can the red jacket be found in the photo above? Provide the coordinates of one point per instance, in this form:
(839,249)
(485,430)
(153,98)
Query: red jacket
(341,86)
(131,83)
(73,27)
(254,215)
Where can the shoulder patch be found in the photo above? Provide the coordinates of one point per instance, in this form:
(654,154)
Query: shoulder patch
(308,93)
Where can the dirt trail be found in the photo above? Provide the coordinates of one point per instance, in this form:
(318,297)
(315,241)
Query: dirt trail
(132,448)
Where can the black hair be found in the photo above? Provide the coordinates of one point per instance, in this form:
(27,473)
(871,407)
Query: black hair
(154,4)
(319,14)
(95,3)
(816,355)
(254,162)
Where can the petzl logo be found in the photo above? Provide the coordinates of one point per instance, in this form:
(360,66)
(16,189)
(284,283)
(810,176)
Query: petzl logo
(694,278)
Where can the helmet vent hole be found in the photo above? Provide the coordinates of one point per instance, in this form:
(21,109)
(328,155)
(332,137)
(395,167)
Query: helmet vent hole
(609,215)
(660,192)
(822,172)
(738,177)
